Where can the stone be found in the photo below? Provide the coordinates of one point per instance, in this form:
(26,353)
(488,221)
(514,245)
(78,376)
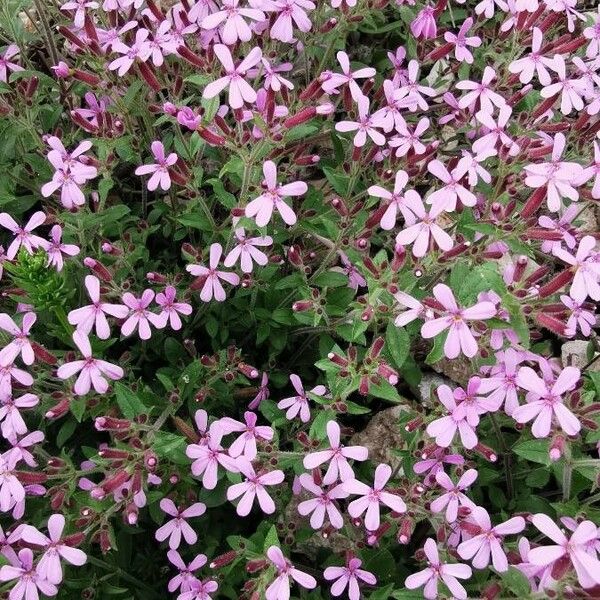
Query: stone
(575,354)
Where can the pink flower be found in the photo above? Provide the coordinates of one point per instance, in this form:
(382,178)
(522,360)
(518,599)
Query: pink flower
(200,590)
(239,89)
(29,581)
(263,392)
(415,309)
(298,404)
(140,49)
(460,338)
(482,92)
(347,77)
(454,497)
(273,80)
(410,93)
(471,165)
(20,343)
(245,444)
(212,286)
(261,208)
(13,424)
(231,18)
(6,64)
(496,133)
(11,489)
(160,169)
(592,33)
(534,62)
(446,572)
(592,171)
(575,549)
(19,452)
(141,317)
(461,42)
(23,235)
(421,233)
(56,249)
(489,541)
(323,503)
(452,191)
(79,6)
(252,487)
(208,455)
(372,497)
(337,456)
(562,225)
(185,579)
(171,309)
(247,251)
(424,25)
(580,318)
(92,371)
(280,588)
(55,548)
(433,462)
(586,281)
(502,381)
(177,526)
(10,372)
(349,576)
(288,13)
(366,125)
(408,139)
(94,315)
(570,90)
(544,401)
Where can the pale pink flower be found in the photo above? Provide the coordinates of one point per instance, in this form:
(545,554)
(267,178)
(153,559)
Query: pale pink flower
(461,42)
(481,91)
(496,135)
(575,549)
(19,452)
(545,401)
(534,62)
(246,251)
(453,190)
(94,315)
(408,139)
(365,126)
(410,93)
(55,548)
(460,338)
(337,455)
(400,71)
(171,309)
(140,49)
(471,165)
(10,372)
(29,583)
(240,90)
(280,588)
(92,371)
(448,573)
(290,12)
(372,497)
(245,444)
(426,229)
(347,77)
(433,462)
(592,171)
(489,541)
(562,225)
(253,487)
(591,33)
(159,169)
(201,9)
(273,80)
(23,235)
(261,208)
(79,6)
(415,309)
(502,382)
(570,90)
(20,344)
(11,489)
(184,580)
(57,248)
(580,318)
(397,201)
(323,504)
(200,590)
(140,317)
(453,497)
(6,64)
(177,527)
(349,576)
(586,281)
(389,116)
(298,404)
(212,285)
(263,392)
(231,19)
(13,424)
(424,25)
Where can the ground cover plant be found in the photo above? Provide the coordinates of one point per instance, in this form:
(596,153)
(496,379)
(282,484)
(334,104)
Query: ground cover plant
(298,299)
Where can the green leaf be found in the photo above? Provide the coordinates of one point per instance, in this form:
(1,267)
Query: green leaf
(516,582)
(271,539)
(397,344)
(338,182)
(331,279)
(533,450)
(171,447)
(517,318)
(385,391)
(77,407)
(437,352)
(318,429)
(131,406)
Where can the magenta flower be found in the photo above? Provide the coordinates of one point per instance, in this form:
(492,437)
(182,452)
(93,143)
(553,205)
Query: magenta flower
(160,169)
(240,90)
(57,248)
(372,497)
(185,579)
(337,456)
(171,309)
(290,12)
(208,455)
(6,64)
(347,77)
(13,424)
(446,572)
(424,25)
(570,90)
(29,583)
(261,208)
(177,527)
(481,92)
(245,444)
(460,338)
(55,548)
(447,197)
(576,549)
(322,504)
(460,41)
(365,126)
(545,401)
(534,62)
(280,588)
(454,497)
(586,281)
(93,315)
(140,49)
(20,343)
(489,541)
(212,286)
(349,576)
(140,317)
(23,235)
(253,487)
(247,251)
(231,18)
(298,404)
(92,371)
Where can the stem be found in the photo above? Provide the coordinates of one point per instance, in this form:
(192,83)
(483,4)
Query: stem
(566,480)
(506,455)
(123,575)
